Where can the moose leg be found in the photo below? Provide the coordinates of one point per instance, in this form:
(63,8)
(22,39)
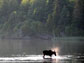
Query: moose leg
(50,56)
(43,56)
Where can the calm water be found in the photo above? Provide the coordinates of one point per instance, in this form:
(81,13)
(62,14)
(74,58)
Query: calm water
(30,50)
(39,59)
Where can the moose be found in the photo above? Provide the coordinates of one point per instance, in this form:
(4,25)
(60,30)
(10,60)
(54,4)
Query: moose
(49,53)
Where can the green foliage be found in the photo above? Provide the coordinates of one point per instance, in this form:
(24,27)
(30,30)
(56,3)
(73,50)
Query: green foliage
(32,17)
(47,1)
(71,0)
(32,27)
(1,3)
(24,2)
(35,11)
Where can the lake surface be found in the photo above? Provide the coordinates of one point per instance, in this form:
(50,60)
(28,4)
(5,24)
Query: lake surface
(33,46)
(39,59)
(30,50)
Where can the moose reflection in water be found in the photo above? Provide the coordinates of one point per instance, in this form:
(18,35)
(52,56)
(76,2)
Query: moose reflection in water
(49,53)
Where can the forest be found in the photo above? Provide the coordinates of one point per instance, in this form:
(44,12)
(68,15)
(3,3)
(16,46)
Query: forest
(34,18)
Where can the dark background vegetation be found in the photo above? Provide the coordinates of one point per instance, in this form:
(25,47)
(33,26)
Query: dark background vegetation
(22,18)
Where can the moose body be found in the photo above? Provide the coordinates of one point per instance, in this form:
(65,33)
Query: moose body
(49,53)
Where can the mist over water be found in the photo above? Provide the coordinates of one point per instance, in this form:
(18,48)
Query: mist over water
(23,47)
(10,47)
(30,50)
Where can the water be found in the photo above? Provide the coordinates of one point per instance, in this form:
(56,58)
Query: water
(30,50)
(23,46)
(39,59)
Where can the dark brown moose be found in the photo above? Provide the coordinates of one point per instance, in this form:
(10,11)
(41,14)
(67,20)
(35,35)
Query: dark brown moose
(49,53)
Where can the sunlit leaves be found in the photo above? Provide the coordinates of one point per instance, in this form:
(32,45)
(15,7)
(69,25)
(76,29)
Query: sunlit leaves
(32,1)
(34,12)
(47,1)
(14,12)
(1,3)
(24,2)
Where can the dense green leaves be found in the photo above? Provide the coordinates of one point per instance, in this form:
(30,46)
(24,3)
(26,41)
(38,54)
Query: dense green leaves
(33,17)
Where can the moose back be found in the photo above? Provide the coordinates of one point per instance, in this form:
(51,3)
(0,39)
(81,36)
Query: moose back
(49,53)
